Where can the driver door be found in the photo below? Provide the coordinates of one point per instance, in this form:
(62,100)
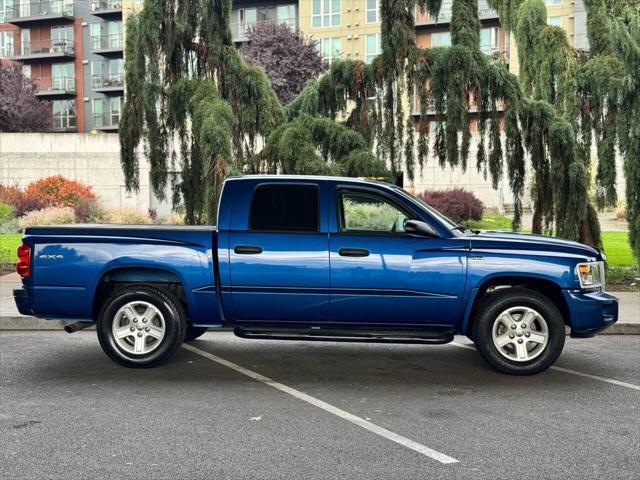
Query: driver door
(380,274)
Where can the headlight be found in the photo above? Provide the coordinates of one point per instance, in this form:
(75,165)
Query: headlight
(591,275)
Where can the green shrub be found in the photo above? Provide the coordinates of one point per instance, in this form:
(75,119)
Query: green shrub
(48,216)
(7,213)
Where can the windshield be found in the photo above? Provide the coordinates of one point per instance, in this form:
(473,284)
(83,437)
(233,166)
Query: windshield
(447,222)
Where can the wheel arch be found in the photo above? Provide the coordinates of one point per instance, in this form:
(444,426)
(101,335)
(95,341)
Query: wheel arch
(546,287)
(117,277)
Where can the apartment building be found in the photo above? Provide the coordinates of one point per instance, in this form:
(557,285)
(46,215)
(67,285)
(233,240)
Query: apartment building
(73,50)
(342,28)
(248,13)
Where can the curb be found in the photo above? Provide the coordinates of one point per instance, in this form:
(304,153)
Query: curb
(32,323)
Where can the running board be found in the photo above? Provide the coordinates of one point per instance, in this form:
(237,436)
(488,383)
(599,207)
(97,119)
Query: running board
(423,337)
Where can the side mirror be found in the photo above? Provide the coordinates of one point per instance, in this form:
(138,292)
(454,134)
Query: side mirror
(421,229)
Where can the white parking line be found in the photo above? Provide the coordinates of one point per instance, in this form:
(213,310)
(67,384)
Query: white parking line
(572,372)
(361,422)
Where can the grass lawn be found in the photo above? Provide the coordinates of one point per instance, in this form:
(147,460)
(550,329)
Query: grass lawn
(8,244)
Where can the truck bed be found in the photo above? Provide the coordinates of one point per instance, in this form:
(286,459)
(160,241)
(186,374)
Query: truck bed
(71,263)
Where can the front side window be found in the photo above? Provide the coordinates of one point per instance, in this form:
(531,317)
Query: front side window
(325,13)
(368,212)
(285,208)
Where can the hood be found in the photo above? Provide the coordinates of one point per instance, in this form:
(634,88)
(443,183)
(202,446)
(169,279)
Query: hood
(521,241)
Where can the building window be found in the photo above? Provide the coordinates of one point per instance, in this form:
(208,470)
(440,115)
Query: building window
(62,39)
(64,114)
(326,13)
(107,74)
(555,21)
(63,77)
(25,43)
(372,47)
(287,14)
(490,40)
(553,2)
(106,112)
(330,49)
(6,44)
(373,11)
(441,39)
(26,70)
(6,8)
(106,35)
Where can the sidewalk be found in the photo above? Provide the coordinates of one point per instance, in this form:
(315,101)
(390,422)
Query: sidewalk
(10,319)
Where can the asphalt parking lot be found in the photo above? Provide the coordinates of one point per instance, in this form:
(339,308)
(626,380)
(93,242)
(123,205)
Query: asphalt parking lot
(326,410)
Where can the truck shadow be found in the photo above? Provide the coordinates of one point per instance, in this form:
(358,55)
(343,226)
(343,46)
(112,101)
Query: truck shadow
(445,370)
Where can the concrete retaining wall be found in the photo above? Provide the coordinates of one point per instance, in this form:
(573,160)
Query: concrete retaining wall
(95,160)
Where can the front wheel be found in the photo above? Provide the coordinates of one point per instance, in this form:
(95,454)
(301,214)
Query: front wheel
(141,326)
(519,331)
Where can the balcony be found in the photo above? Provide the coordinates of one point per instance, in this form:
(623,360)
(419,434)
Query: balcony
(240,31)
(44,49)
(51,87)
(107,121)
(107,83)
(106,8)
(485,12)
(495,54)
(45,10)
(107,44)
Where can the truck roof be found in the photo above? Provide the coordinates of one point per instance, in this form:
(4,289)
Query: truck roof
(315,178)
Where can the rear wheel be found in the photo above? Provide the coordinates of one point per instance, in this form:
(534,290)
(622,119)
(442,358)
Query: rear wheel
(519,331)
(193,333)
(141,326)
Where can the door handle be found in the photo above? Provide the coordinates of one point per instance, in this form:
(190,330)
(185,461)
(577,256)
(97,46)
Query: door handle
(353,252)
(247,250)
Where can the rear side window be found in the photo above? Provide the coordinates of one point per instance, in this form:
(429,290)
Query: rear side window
(285,208)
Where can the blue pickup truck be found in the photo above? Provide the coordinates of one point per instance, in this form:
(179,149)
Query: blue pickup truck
(316,258)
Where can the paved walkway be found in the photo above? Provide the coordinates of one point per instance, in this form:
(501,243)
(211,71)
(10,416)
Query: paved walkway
(10,318)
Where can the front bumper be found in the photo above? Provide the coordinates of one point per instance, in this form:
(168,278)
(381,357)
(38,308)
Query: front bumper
(591,312)
(23,302)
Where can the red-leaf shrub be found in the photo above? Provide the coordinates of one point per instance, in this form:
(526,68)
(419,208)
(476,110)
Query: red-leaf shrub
(57,191)
(21,203)
(456,203)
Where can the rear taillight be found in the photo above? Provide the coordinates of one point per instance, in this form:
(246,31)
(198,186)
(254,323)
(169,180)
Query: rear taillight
(23,267)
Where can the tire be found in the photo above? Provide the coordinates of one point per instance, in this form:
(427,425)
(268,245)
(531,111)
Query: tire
(141,326)
(194,332)
(513,349)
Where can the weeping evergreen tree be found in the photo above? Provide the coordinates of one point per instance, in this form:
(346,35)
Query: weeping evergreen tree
(537,115)
(596,94)
(194,107)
